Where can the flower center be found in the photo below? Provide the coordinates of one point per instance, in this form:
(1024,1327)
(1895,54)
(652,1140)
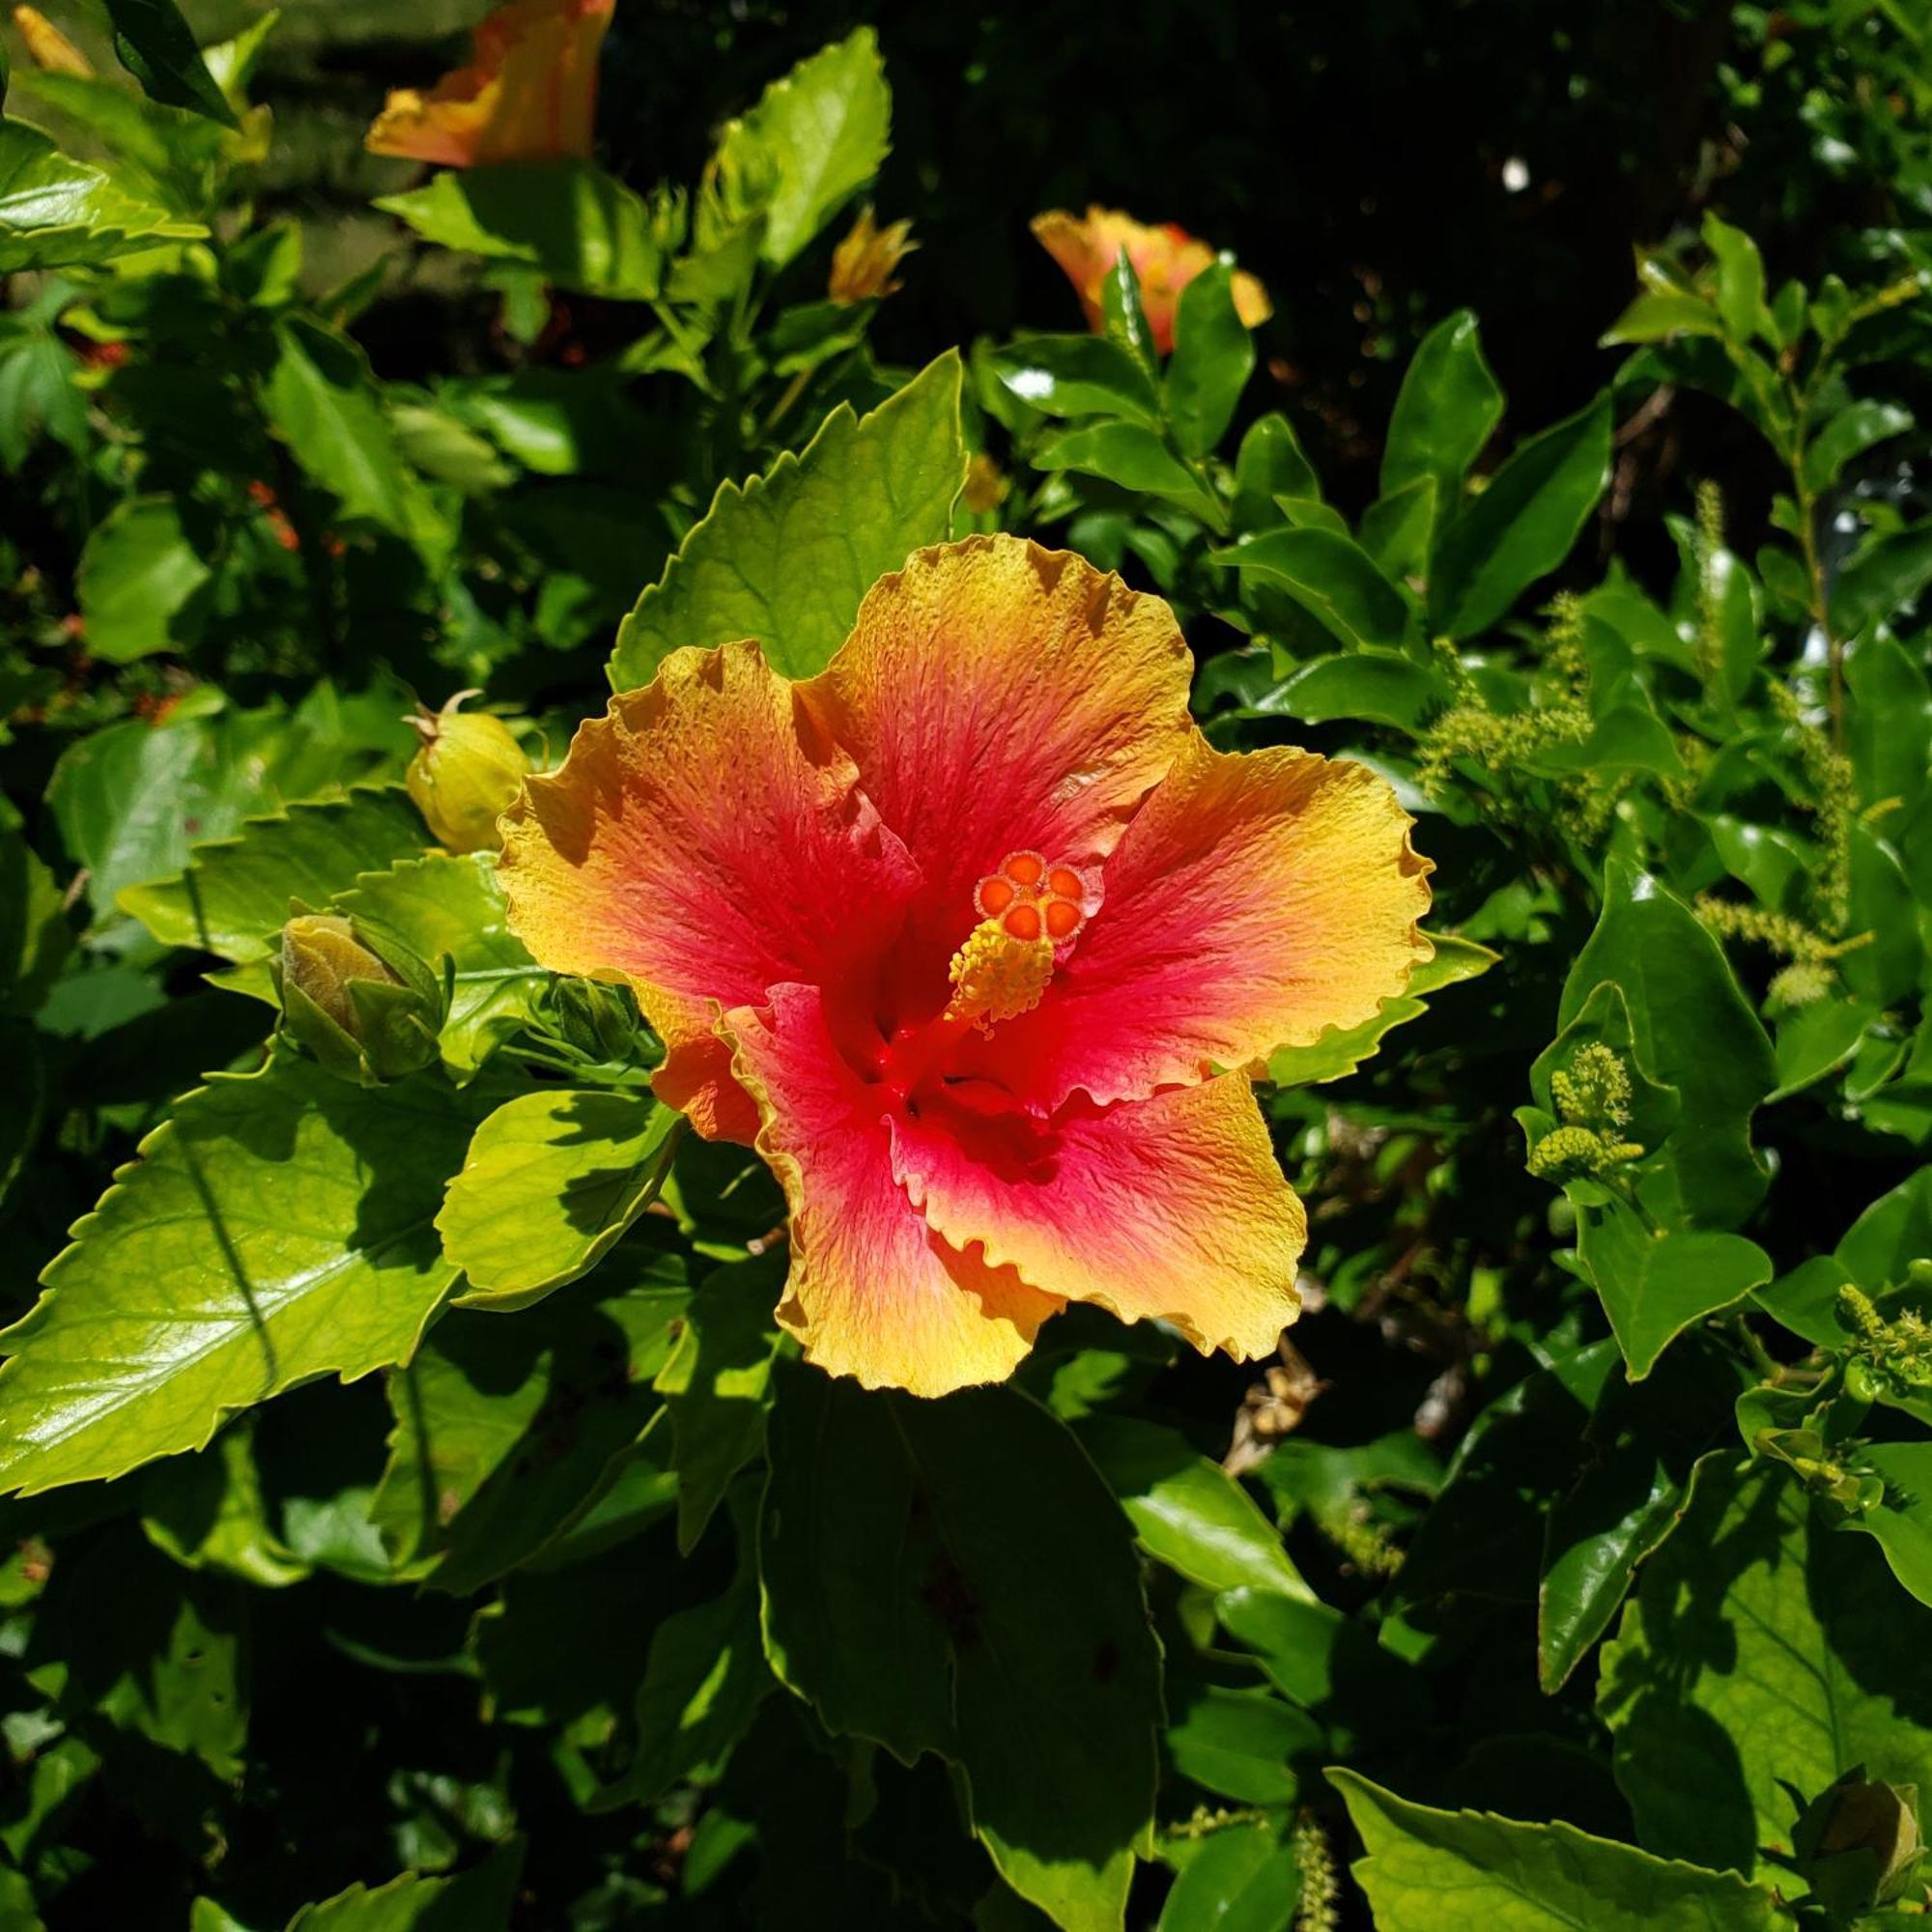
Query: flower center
(1030,910)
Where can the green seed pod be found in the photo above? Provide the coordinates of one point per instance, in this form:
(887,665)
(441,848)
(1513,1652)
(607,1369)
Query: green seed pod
(367,1008)
(467,772)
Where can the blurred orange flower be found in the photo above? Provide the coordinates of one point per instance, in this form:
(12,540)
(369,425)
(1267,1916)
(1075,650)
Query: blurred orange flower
(47,47)
(1166,258)
(862,264)
(528,94)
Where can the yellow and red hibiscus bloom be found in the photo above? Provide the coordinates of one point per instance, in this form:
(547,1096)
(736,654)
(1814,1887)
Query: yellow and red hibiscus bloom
(975,937)
(528,94)
(1166,258)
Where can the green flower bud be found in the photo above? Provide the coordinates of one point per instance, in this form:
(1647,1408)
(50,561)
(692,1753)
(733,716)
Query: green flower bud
(367,1008)
(1858,1843)
(468,772)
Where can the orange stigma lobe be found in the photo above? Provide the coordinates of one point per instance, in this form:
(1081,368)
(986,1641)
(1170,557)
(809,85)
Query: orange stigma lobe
(1030,897)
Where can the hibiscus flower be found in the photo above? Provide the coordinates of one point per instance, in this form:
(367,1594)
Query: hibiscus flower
(977,939)
(1165,258)
(529,91)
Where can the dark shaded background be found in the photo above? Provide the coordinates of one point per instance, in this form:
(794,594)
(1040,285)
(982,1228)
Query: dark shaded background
(1379,164)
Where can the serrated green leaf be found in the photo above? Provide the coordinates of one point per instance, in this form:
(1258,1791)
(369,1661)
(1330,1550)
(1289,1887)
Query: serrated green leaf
(57,213)
(234,897)
(786,559)
(320,401)
(825,127)
(1470,1871)
(478,1900)
(550,1182)
(1523,523)
(953,1577)
(1764,1654)
(278,1228)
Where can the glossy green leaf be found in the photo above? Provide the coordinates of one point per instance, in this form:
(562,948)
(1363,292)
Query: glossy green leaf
(234,897)
(1889,728)
(508,1433)
(1270,465)
(1659,314)
(1694,1031)
(1075,376)
(1523,522)
(1902,1522)
(953,1577)
(1213,358)
(57,213)
(449,907)
(1849,433)
(550,1182)
(1238,1744)
(1341,1049)
(1820,1666)
(1127,454)
(717,1384)
(278,1228)
(1243,1879)
(786,559)
(1470,1871)
(825,128)
(1333,577)
(137,580)
(1445,412)
(1189,1513)
(1740,288)
(1396,528)
(1380,686)
(579,227)
(159,48)
(1655,1284)
(1887,572)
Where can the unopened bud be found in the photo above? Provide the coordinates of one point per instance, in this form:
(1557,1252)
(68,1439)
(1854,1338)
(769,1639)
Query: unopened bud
(467,772)
(1858,1843)
(367,1009)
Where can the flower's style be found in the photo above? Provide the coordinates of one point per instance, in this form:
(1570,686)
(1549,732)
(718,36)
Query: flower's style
(977,938)
(528,94)
(865,263)
(1166,259)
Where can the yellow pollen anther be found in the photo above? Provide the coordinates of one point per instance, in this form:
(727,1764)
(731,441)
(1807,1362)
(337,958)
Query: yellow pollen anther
(997,976)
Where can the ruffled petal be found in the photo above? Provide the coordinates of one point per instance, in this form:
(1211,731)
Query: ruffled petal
(997,697)
(873,1291)
(1172,1208)
(700,845)
(1257,900)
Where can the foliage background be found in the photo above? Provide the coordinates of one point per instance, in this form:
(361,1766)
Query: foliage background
(238,1682)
